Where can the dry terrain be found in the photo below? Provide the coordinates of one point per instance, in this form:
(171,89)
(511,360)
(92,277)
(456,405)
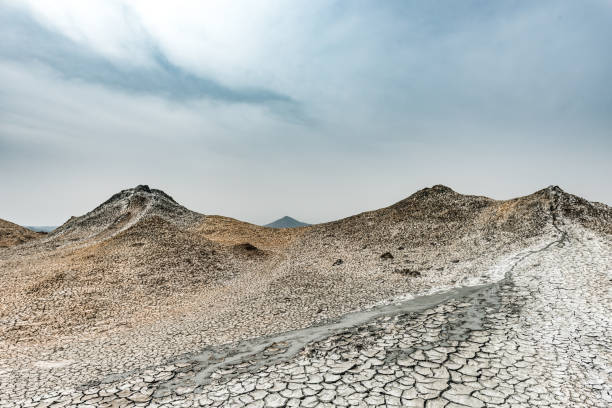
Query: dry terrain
(441,299)
(13,234)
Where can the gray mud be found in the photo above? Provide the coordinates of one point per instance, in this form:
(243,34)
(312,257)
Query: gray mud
(252,354)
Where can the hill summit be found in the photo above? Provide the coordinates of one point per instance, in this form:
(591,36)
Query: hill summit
(122,211)
(286,222)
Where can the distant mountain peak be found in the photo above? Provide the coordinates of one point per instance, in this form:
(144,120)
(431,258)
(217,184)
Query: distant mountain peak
(287,218)
(286,222)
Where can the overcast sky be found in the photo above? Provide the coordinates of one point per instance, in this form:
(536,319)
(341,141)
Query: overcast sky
(314,109)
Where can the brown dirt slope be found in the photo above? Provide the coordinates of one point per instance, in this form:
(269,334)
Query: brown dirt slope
(229,231)
(13,234)
(142,272)
(131,258)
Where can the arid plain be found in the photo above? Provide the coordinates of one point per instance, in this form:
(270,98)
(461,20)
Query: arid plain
(439,300)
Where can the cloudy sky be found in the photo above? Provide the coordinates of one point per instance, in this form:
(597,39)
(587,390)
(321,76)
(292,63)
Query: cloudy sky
(317,109)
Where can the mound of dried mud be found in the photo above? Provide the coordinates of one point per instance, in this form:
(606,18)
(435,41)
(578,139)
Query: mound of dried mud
(141,258)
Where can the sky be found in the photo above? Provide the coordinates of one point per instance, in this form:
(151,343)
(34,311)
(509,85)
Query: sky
(318,109)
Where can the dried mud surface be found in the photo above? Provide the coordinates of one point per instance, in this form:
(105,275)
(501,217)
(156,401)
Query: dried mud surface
(166,306)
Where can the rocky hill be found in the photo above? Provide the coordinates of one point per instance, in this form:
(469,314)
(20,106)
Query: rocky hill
(436,230)
(122,211)
(141,259)
(13,234)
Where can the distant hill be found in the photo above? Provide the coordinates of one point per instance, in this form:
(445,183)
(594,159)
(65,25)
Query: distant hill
(41,228)
(286,222)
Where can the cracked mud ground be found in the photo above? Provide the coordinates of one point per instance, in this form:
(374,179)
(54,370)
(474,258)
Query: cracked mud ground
(539,337)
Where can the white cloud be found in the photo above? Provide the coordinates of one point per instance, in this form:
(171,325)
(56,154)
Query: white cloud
(242,42)
(500,100)
(108,26)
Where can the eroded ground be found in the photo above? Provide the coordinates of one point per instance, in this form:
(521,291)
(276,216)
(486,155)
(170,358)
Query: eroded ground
(541,337)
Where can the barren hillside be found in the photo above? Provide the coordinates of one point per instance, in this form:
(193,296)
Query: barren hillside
(141,258)
(122,211)
(229,231)
(13,234)
(436,228)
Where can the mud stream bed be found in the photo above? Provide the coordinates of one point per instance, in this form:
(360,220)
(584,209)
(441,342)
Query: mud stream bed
(253,354)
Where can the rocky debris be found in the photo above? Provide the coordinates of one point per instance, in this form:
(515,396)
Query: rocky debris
(338,262)
(408,272)
(247,249)
(386,255)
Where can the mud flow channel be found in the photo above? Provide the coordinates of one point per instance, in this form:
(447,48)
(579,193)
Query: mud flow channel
(250,355)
